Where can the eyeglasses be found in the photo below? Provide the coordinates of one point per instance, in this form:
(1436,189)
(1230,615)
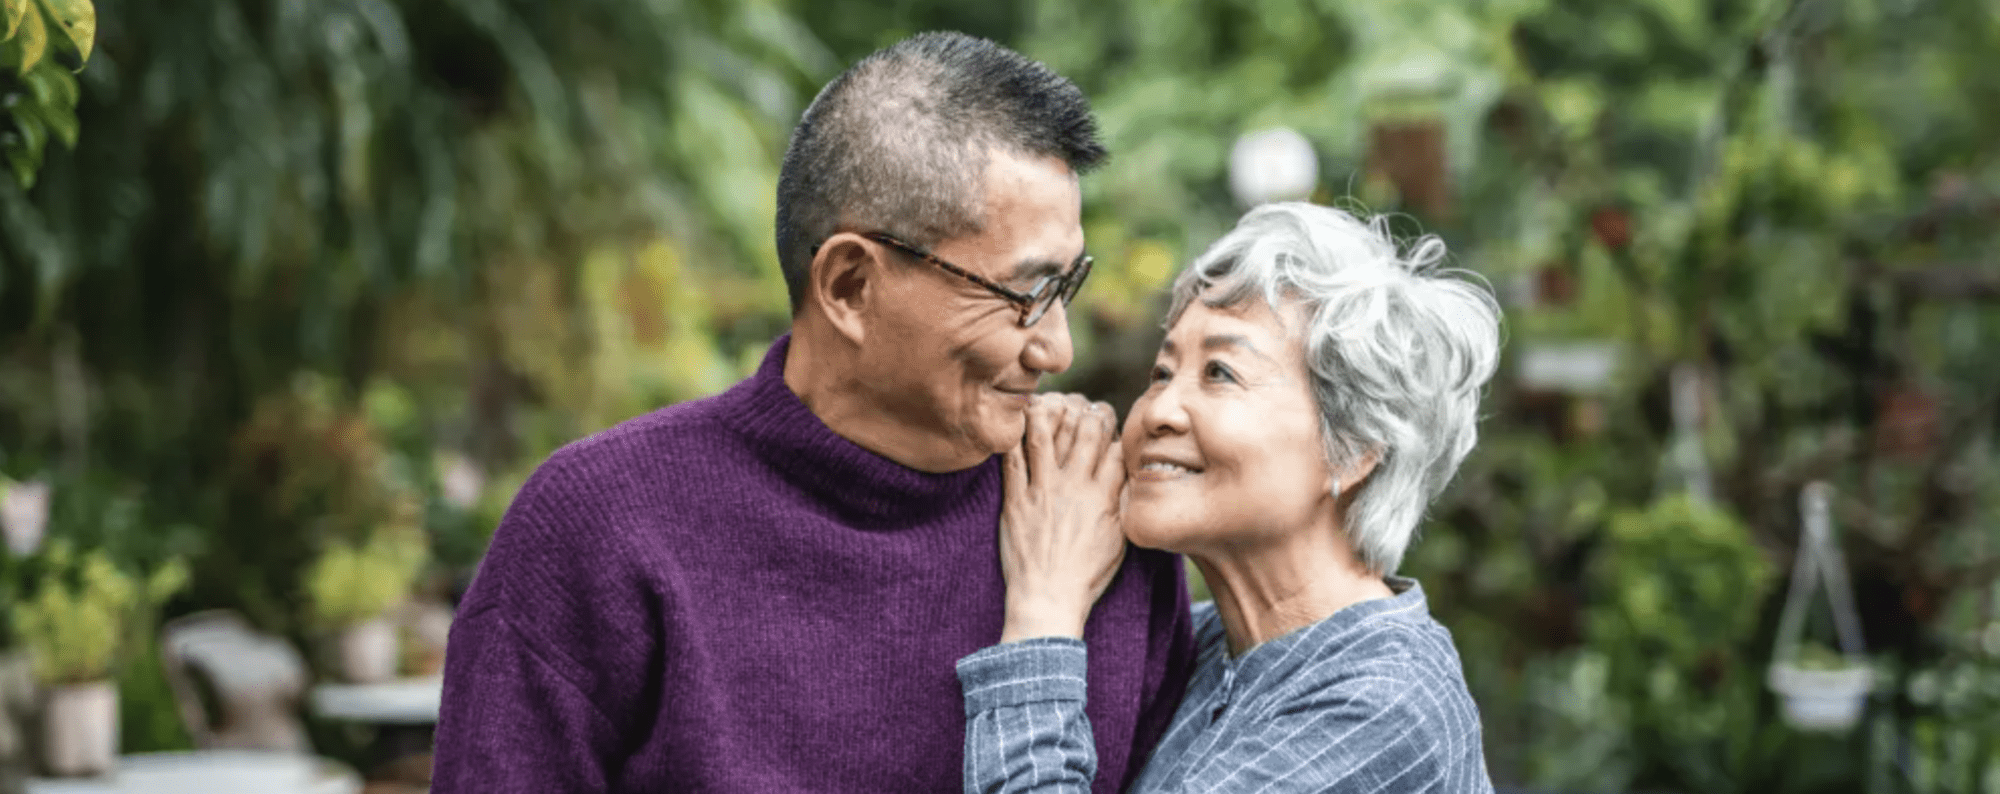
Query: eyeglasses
(1033,304)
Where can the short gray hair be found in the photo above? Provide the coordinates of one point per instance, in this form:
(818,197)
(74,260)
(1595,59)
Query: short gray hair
(899,143)
(1397,347)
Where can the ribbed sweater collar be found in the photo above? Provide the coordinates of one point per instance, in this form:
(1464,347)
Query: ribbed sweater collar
(866,488)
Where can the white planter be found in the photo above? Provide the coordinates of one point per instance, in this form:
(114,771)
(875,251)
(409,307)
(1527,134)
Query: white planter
(367,651)
(24,515)
(80,729)
(1822,700)
(1272,165)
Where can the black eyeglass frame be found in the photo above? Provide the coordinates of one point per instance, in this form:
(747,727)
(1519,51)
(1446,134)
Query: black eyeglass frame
(1033,303)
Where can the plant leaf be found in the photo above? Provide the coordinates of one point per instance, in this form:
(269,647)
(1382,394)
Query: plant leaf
(56,118)
(78,21)
(34,133)
(34,39)
(15,10)
(22,165)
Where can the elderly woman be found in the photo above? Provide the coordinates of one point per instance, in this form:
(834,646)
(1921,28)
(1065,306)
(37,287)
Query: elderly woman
(1315,391)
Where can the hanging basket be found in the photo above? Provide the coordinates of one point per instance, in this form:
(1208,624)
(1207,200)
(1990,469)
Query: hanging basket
(1820,698)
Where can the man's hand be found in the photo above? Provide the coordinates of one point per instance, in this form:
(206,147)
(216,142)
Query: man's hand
(1060,537)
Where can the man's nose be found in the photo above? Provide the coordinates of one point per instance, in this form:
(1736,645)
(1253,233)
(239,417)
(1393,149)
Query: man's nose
(1049,347)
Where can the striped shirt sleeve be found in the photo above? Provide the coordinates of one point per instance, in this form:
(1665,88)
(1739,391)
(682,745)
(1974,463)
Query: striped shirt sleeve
(1025,729)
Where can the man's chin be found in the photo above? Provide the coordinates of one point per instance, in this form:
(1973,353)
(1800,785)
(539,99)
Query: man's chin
(1001,435)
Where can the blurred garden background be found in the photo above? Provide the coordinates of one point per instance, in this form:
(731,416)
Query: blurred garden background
(294,294)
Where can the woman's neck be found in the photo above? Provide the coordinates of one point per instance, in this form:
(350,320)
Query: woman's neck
(1267,590)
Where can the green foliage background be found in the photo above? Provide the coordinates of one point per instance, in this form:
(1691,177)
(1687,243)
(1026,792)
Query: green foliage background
(291,255)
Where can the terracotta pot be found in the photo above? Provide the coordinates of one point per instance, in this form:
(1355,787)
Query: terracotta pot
(1613,227)
(367,651)
(80,729)
(1412,155)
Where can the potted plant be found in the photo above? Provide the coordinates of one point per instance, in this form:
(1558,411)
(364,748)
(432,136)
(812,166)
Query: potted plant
(351,591)
(77,624)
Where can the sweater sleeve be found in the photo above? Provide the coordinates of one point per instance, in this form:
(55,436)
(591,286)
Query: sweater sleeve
(554,661)
(510,722)
(1025,730)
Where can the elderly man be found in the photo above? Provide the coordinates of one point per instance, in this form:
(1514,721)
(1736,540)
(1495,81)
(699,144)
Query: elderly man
(767,590)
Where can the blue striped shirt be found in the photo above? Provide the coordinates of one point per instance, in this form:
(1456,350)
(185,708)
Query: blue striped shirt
(1371,699)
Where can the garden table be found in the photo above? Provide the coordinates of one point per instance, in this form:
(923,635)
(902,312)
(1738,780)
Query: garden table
(213,772)
(403,711)
(406,701)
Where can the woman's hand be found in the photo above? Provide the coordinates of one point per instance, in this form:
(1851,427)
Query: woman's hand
(1060,539)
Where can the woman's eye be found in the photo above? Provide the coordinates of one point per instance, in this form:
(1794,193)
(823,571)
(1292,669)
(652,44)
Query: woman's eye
(1219,372)
(1161,374)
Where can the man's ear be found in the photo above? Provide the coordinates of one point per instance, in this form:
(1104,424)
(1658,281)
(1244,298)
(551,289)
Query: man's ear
(844,281)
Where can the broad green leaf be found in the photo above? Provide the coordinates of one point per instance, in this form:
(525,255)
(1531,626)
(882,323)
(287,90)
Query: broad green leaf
(15,10)
(78,21)
(58,118)
(34,39)
(53,86)
(22,165)
(34,133)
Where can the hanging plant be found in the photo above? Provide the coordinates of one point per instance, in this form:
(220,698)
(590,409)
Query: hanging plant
(38,93)
(1822,690)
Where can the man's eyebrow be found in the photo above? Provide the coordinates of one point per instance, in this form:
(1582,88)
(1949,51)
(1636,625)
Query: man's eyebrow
(1029,268)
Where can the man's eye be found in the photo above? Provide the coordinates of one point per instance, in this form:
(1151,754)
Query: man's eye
(1219,372)
(1161,374)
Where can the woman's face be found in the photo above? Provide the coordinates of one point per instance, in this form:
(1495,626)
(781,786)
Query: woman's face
(1223,449)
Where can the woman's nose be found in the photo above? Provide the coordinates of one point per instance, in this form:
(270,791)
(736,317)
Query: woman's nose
(1161,411)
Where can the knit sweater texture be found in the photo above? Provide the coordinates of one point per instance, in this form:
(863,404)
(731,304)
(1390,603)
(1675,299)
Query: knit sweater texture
(726,596)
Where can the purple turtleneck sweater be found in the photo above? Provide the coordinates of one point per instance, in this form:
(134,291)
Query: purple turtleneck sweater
(726,596)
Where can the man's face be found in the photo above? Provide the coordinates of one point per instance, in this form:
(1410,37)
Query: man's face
(950,358)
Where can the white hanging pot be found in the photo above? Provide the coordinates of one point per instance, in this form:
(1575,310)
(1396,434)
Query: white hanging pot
(1276,164)
(24,515)
(80,729)
(367,651)
(1820,699)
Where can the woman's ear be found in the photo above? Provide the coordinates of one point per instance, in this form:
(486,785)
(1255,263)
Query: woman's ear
(1341,481)
(843,282)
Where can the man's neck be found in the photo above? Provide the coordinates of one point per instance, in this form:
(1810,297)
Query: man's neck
(821,370)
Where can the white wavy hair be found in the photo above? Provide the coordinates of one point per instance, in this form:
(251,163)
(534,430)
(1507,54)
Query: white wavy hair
(1398,348)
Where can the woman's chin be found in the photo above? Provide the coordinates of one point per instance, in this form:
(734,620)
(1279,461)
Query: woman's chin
(1149,531)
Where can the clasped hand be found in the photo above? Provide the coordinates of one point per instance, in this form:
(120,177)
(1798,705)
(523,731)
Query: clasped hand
(1060,537)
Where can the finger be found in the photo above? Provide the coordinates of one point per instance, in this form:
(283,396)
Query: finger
(1089,450)
(1111,464)
(1014,469)
(1040,443)
(1079,410)
(1065,431)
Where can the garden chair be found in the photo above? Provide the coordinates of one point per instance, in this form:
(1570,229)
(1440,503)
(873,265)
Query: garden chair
(235,688)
